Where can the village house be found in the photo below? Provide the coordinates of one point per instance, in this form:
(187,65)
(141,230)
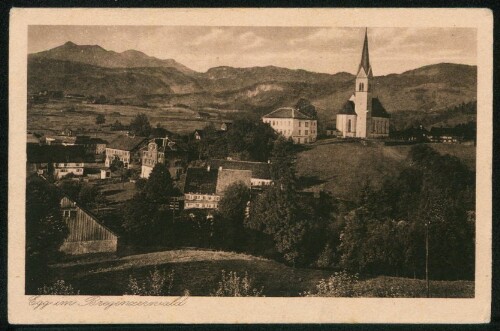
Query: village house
(363,115)
(199,134)
(92,146)
(87,234)
(445,135)
(56,160)
(164,151)
(260,172)
(200,189)
(125,148)
(292,123)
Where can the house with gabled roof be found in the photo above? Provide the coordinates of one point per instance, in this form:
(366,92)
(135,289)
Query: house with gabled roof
(125,148)
(292,123)
(200,188)
(260,172)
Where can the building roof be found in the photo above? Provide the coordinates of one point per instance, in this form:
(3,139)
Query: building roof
(127,143)
(201,180)
(32,139)
(348,108)
(287,112)
(55,154)
(378,110)
(227,177)
(436,131)
(85,140)
(261,170)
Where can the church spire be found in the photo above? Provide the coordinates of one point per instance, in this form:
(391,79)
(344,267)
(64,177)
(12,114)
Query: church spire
(365,57)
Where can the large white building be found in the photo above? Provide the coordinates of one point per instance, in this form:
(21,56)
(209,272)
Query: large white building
(363,116)
(292,123)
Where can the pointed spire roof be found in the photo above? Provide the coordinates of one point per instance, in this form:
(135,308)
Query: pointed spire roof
(365,57)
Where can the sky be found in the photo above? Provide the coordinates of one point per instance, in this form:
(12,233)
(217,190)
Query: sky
(319,49)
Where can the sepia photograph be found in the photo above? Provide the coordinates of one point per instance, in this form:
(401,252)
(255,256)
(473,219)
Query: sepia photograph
(267,161)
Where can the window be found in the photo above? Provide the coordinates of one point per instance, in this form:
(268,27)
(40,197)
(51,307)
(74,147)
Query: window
(307,125)
(349,126)
(361,87)
(306,132)
(300,123)
(299,131)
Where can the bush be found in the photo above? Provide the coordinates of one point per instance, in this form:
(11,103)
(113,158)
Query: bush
(58,288)
(233,286)
(158,283)
(340,284)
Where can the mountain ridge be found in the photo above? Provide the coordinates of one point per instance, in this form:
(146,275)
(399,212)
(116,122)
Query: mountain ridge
(259,89)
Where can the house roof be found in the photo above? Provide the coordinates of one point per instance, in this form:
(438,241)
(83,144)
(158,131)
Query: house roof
(54,153)
(227,177)
(287,112)
(201,180)
(435,131)
(83,140)
(127,143)
(261,170)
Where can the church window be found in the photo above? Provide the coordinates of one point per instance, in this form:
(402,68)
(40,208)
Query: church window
(361,86)
(349,126)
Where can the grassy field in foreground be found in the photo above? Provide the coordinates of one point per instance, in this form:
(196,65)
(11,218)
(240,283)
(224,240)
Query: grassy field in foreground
(343,167)
(199,272)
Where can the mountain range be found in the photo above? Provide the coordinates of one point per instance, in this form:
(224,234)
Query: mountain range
(133,75)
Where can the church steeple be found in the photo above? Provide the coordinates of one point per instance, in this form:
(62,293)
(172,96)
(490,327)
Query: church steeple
(365,57)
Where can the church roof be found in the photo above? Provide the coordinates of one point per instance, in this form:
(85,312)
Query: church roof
(287,112)
(365,57)
(348,108)
(378,110)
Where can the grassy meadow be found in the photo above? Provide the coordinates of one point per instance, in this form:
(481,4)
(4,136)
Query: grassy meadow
(199,271)
(343,167)
(56,116)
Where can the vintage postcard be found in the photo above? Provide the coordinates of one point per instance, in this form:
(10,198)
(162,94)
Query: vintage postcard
(250,166)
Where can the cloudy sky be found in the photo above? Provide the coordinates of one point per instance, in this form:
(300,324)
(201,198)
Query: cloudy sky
(320,49)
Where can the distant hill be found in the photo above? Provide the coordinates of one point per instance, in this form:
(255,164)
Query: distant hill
(92,70)
(98,56)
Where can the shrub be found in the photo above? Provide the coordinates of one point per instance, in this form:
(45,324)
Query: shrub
(158,283)
(233,286)
(340,284)
(58,288)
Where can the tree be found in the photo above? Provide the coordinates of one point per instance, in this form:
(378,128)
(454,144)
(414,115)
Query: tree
(45,229)
(232,210)
(306,107)
(140,125)
(283,164)
(159,186)
(100,119)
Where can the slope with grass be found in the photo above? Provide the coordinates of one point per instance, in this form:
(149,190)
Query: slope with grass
(199,271)
(345,167)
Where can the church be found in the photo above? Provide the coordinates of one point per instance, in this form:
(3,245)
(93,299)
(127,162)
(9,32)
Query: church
(363,115)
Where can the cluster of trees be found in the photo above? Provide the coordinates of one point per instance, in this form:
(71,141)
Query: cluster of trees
(245,140)
(148,217)
(45,230)
(387,233)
